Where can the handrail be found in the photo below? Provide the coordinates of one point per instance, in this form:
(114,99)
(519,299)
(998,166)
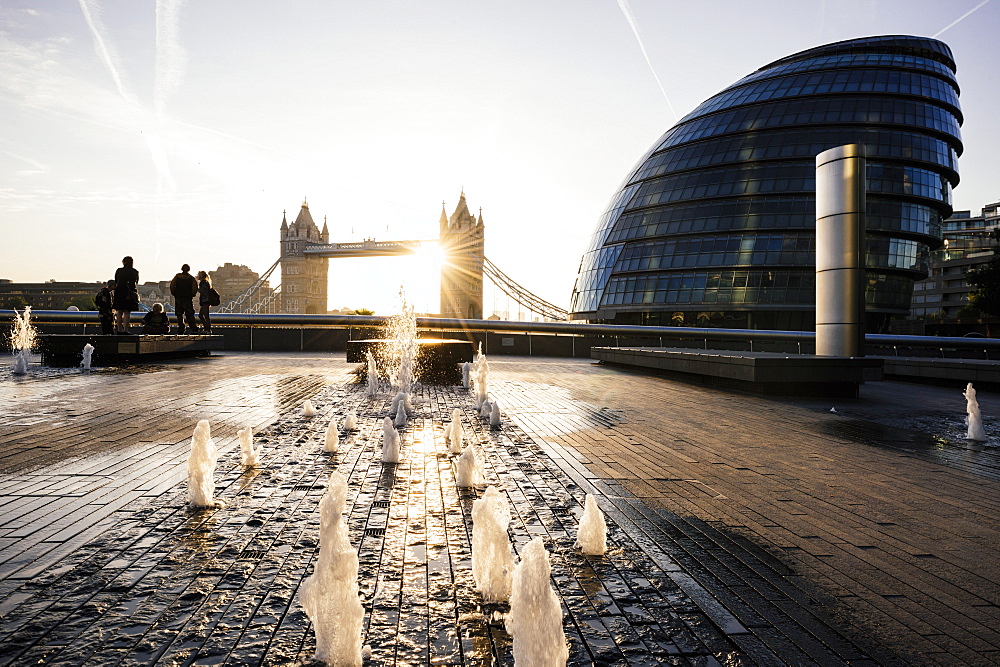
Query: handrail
(566,328)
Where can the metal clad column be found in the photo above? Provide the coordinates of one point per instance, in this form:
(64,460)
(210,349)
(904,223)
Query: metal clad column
(840,251)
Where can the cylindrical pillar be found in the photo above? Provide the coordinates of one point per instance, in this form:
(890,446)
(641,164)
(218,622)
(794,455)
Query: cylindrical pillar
(840,251)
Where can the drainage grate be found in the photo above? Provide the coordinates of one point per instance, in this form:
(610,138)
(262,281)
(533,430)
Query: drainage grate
(380,503)
(302,487)
(374,532)
(252,554)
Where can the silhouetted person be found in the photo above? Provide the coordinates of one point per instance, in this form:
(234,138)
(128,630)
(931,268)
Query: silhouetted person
(156,321)
(126,295)
(105,308)
(205,301)
(183,287)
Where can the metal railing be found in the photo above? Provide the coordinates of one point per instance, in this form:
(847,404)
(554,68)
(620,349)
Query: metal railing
(661,334)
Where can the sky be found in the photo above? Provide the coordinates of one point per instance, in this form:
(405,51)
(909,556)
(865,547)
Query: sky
(179,132)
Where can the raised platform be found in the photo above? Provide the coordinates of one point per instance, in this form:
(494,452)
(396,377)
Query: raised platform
(437,359)
(768,373)
(67,349)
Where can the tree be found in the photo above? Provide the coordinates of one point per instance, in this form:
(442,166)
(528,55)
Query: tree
(985,281)
(363,311)
(81,301)
(13,301)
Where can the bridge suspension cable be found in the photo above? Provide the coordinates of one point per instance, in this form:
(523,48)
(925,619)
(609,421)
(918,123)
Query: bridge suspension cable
(250,300)
(521,295)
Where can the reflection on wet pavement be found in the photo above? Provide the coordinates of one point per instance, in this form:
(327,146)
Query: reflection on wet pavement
(168,584)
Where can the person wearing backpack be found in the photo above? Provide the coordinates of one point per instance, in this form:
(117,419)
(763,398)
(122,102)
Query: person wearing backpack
(183,288)
(207,297)
(105,308)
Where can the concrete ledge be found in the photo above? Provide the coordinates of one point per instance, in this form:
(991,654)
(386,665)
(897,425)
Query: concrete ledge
(771,373)
(943,371)
(67,349)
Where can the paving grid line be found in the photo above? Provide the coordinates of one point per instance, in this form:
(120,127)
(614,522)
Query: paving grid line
(483,631)
(716,450)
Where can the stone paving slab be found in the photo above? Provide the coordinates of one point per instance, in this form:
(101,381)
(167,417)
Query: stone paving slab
(745,530)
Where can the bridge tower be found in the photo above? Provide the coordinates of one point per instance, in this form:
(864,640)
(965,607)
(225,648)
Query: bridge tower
(303,277)
(462,241)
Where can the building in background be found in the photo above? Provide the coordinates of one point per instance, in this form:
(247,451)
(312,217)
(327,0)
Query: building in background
(303,277)
(51,295)
(715,226)
(231,280)
(967,244)
(462,239)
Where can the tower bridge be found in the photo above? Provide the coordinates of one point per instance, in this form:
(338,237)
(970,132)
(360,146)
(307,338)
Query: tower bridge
(306,250)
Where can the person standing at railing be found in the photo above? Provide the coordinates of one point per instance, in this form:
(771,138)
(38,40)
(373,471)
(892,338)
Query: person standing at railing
(183,287)
(207,297)
(126,295)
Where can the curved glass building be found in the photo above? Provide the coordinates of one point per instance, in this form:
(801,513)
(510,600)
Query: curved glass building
(715,226)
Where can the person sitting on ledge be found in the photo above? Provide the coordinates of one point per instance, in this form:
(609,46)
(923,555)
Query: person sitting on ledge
(156,321)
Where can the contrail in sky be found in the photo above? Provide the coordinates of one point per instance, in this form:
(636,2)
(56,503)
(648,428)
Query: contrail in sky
(105,51)
(623,5)
(960,18)
(170,54)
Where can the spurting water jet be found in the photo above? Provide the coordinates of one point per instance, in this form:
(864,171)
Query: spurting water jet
(973,419)
(249,454)
(351,422)
(330,594)
(492,559)
(592,533)
(331,440)
(308,410)
(201,467)
(453,433)
(372,389)
(400,347)
(23,337)
(485,408)
(535,619)
(400,421)
(494,415)
(469,469)
(390,442)
(88,352)
(466,366)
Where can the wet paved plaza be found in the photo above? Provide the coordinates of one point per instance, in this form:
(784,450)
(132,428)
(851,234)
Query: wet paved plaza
(743,530)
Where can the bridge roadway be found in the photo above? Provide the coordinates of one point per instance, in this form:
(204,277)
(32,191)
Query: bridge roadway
(744,530)
(366,248)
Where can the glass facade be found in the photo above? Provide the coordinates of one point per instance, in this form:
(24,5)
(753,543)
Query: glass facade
(715,226)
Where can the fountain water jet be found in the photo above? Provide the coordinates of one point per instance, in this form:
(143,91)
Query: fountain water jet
(973,420)
(390,442)
(201,467)
(492,559)
(351,422)
(400,348)
(372,389)
(592,533)
(330,594)
(535,619)
(466,366)
(453,433)
(331,440)
(469,470)
(88,352)
(23,337)
(485,407)
(400,421)
(308,410)
(249,455)
(494,415)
